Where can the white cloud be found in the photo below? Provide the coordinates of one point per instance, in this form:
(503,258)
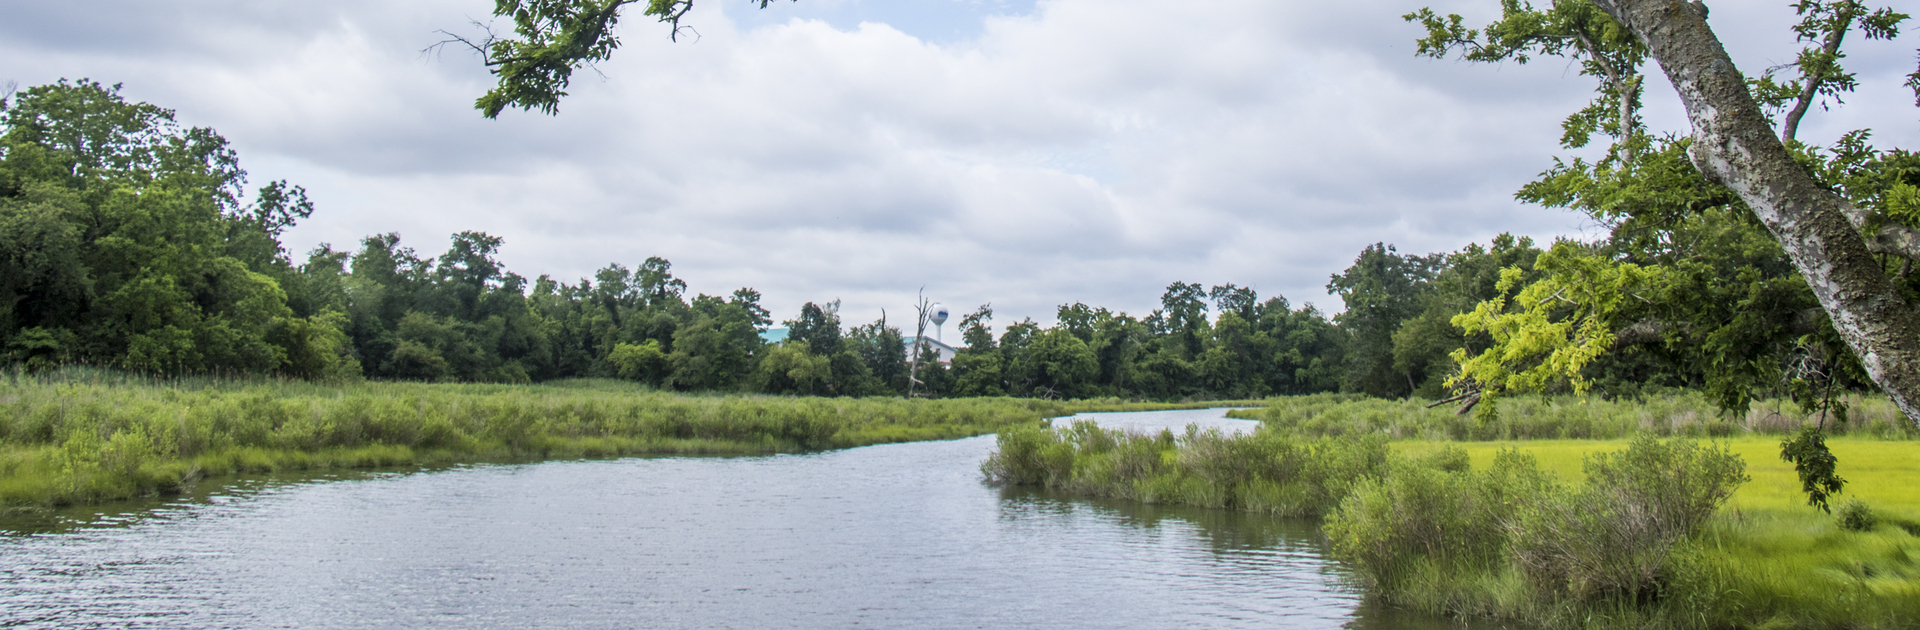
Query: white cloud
(1067,150)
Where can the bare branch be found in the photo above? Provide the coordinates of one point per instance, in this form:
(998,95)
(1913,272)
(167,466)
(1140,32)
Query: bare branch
(454,38)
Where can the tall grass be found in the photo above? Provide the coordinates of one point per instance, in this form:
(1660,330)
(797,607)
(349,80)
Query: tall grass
(1802,569)
(1513,541)
(1535,417)
(1267,472)
(84,436)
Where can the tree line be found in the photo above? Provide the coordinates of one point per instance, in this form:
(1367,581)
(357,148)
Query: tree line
(132,242)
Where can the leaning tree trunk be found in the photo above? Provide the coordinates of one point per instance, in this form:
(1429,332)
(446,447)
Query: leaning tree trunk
(1734,145)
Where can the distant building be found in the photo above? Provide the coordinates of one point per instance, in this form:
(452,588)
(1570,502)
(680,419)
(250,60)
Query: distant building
(946,351)
(774,336)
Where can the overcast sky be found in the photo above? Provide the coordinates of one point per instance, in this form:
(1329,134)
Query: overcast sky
(1027,154)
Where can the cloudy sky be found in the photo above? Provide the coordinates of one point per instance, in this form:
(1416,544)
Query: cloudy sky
(1019,152)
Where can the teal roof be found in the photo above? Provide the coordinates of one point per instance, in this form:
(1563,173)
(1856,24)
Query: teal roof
(773,335)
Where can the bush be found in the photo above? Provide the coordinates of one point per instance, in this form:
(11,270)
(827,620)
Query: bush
(1432,514)
(1855,516)
(1433,535)
(1613,537)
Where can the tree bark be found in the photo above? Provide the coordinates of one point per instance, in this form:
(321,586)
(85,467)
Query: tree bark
(1734,145)
(1890,238)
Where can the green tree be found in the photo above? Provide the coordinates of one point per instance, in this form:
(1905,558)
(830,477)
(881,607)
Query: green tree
(884,351)
(977,367)
(717,349)
(1733,145)
(125,242)
(792,368)
(642,362)
(1424,342)
(1062,365)
(1382,289)
(1308,353)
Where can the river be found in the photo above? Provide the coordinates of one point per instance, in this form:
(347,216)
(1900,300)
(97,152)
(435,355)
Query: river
(891,536)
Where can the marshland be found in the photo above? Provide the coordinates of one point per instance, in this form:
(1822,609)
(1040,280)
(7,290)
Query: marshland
(1696,408)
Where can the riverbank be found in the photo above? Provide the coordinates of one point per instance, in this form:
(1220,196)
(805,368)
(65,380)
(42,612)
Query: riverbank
(1631,531)
(81,436)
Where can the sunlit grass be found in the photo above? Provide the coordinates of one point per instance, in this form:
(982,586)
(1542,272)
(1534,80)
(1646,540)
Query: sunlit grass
(1796,568)
(1885,474)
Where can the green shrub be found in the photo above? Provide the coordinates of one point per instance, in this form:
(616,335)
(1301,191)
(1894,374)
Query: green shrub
(1612,538)
(1432,535)
(1432,514)
(1855,516)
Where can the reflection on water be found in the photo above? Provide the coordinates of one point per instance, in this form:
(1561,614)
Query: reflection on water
(897,536)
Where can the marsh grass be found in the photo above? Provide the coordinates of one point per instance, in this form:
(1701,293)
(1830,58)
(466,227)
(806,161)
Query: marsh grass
(78,435)
(1534,417)
(1801,569)
(1878,472)
(1267,472)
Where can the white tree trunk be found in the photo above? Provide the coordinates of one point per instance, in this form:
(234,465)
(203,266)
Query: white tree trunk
(1734,145)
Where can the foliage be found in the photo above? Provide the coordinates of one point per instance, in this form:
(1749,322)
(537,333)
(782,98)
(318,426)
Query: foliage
(1381,290)
(124,242)
(1615,536)
(1822,79)
(1811,460)
(1553,327)
(554,38)
(1688,289)
(1604,48)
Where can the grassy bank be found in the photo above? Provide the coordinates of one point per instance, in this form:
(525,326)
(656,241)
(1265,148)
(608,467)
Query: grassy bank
(82,436)
(1706,528)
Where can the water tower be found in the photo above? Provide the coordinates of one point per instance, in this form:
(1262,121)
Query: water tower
(939,319)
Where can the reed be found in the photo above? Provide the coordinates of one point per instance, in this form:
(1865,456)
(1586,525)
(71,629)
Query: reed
(83,436)
(1267,472)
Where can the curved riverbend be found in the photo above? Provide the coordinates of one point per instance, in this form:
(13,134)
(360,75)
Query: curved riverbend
(893,536)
